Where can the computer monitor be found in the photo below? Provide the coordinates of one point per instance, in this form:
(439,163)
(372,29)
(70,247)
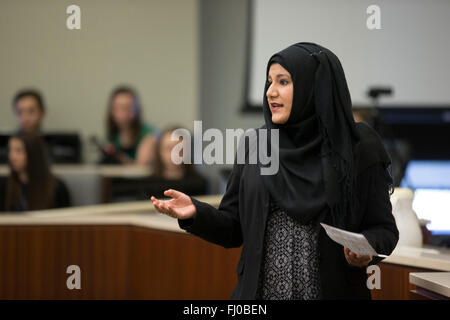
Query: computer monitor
(63,148)
(423,174)
(434,205)
(430,181)
(425,128)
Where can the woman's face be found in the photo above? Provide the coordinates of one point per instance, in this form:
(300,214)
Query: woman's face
(280,93)
(123,110)
(165,150)
(17,155)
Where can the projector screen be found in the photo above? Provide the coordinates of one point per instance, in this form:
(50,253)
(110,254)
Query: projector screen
(410,53)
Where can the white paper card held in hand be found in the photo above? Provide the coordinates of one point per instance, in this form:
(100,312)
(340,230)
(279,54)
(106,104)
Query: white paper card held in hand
(356,242)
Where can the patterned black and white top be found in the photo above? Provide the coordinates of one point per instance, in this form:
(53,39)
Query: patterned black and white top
(290,267)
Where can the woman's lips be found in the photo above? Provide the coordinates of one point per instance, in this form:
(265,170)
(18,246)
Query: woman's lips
(276,106)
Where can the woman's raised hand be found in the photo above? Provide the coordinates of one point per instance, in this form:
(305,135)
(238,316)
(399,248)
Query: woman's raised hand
(180,206)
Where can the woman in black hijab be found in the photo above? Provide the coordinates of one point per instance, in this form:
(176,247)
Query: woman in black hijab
(331,170)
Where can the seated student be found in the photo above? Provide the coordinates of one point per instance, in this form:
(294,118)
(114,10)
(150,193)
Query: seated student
(362,115)
(29,108)
(166,174)
(28,105)
(30,185)
(133,141)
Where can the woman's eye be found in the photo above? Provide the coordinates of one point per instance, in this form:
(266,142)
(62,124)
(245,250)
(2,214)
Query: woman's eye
(284,82)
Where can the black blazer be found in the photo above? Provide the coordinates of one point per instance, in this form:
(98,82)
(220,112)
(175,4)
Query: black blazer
(241,219)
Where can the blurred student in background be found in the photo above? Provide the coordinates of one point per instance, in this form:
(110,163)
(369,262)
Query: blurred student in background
(29,108)
(132,140)
(30,184)
(361,115)
(166,173)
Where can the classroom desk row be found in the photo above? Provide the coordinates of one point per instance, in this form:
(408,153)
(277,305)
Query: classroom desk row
(129,251)
(91,184)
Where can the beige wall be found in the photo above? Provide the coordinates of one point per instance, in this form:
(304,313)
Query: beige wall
(150,44)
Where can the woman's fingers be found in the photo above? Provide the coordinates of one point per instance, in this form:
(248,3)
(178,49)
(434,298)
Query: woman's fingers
(158,205)
(173,193)
(347,255)
(167,210)
(356,260)
(164,207)
(180,207)
(346,251)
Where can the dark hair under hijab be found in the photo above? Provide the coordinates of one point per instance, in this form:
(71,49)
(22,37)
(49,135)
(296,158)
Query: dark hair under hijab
(319,142)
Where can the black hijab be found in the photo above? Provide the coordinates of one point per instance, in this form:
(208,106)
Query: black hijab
(319,141)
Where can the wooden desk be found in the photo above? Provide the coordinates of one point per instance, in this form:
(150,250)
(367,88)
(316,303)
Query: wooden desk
(125,251)
(396,270)
(431,285)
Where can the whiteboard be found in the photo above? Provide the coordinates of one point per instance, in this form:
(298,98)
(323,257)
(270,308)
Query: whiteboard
(410,53)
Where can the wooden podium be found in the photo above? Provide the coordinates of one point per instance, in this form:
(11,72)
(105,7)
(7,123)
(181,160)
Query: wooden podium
(121,256)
